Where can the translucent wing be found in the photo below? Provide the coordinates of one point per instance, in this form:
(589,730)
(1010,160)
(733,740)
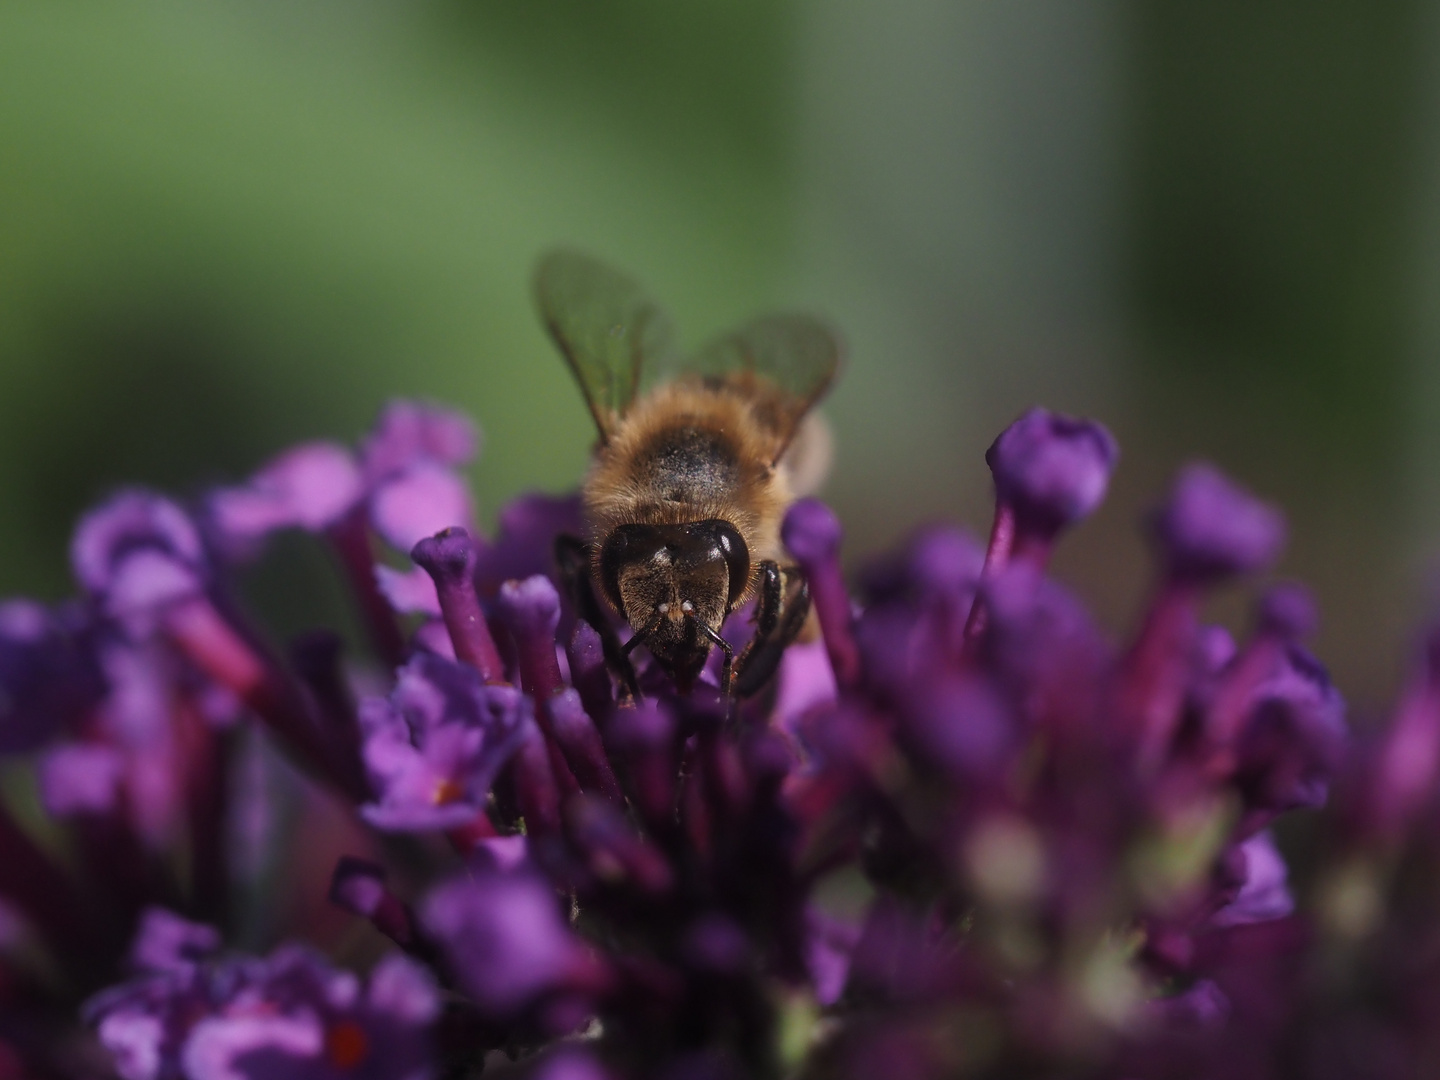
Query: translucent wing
(784,363)
(606,328)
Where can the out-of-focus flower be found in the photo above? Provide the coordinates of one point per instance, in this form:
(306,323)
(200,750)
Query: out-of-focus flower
(504,936)
(964,834)
(289,1015)
(1052,470)
(435,746)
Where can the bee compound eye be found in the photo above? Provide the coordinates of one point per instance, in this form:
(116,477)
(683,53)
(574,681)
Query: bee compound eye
(737,559)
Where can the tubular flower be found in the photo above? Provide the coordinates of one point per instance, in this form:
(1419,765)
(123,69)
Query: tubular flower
(962,832)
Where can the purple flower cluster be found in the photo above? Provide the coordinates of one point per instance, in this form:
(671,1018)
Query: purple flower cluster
(962,833)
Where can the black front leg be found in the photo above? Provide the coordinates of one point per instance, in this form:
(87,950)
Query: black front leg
(572,557)
(727,668)
(777,625)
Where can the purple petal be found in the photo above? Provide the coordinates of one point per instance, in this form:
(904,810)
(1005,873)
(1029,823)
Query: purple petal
(420,502)
(505,937)
(435,747)
(409,433)
(525,539)
(1264,895)
(409,592)
(166,942)
(139,553)
(81,778)
(308,487)
(828,948)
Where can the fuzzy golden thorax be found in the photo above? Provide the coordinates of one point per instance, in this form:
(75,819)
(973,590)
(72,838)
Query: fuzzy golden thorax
(691,451)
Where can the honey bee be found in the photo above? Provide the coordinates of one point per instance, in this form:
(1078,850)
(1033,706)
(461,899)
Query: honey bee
(695,465)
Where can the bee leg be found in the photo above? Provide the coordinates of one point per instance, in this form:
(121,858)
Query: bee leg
(775,628)
(728,667)
(572,557)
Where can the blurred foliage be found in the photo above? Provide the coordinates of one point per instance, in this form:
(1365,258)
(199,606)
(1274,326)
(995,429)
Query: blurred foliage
(1275,168)
(224,227)
(227,226)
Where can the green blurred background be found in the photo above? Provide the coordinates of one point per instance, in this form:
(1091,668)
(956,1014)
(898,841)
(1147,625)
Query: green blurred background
(227,225)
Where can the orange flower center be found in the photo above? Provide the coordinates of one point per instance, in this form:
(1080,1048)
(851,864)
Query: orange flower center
(448,791)
(346,1044)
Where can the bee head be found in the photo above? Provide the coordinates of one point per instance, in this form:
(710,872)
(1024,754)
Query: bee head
(669,581)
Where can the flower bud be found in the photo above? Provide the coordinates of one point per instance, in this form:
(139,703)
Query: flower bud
(1052,469)
(1212,529)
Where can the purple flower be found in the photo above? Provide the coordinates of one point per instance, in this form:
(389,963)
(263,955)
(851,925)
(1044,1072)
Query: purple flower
(1293,739)
(1060,845)
(138,554)
(289,1015)
(49,677)
(1212,529)
(293,1017)
(811,532)
(408,463)
(830,942)
(524,543)
(960,726)
(570,1063)
(81,778)
(434,747)
(130,764)
(1053,470)
(167,943)
(311,487)
(1264,894)
(506,941)
(410,433)
(404,477)
(1204,1005)
(145,1023)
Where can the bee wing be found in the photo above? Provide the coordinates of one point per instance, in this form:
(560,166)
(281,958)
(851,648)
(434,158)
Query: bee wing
(784,363)
(606,327)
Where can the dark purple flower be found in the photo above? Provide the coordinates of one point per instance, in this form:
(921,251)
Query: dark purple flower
(435,746)
(524,544)
(49,676)
(144,1024)
(505,938)
(530,610)
(130,764)
(1264,894)
(1052,469)
(293,1017)
(1212,529)
(448,561)
(1044,644)
(1293,740)
(1288,611)
(923,594)
(960,726)
(358,886)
